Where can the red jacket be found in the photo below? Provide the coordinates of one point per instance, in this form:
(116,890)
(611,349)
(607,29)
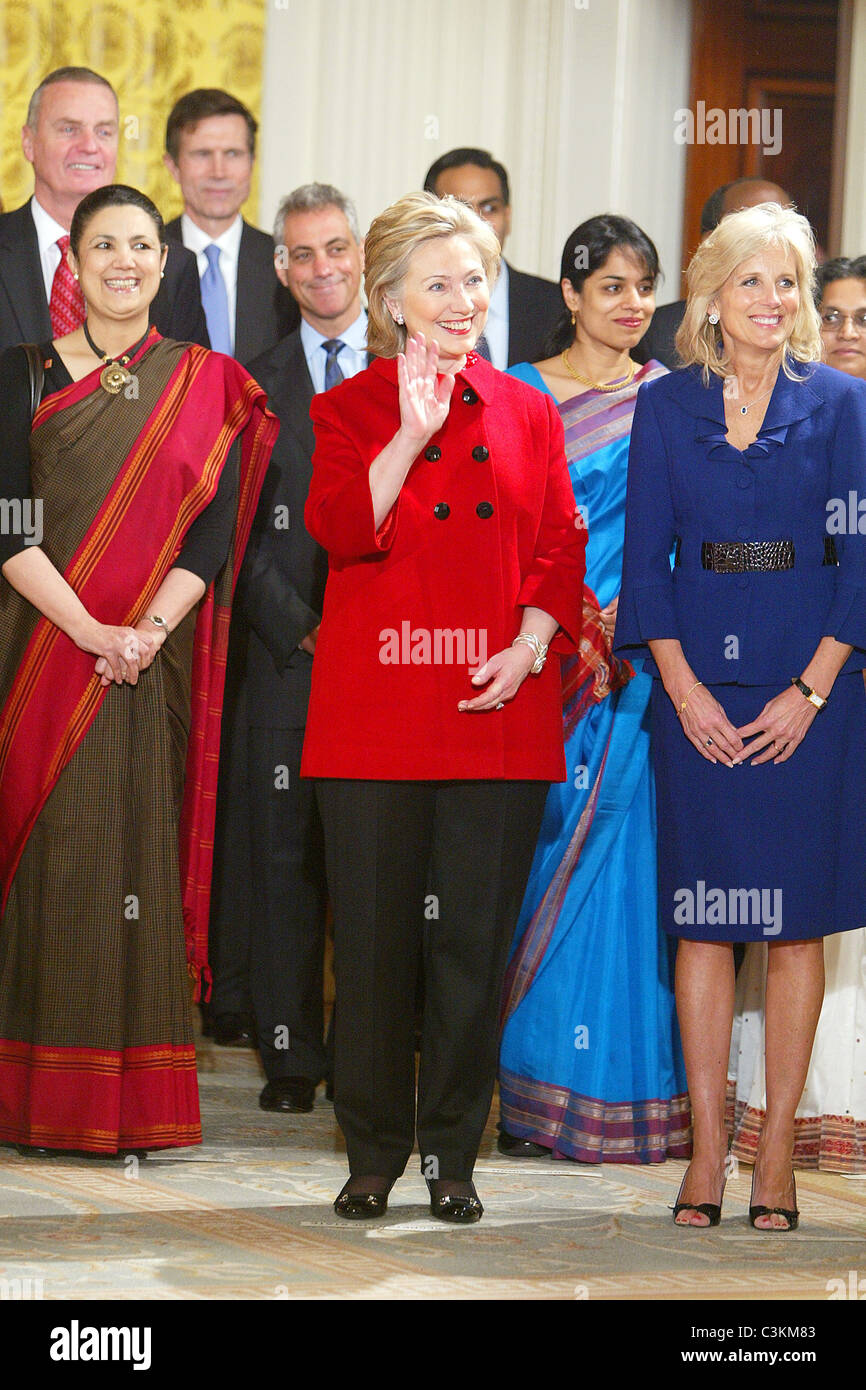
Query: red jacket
(484,525)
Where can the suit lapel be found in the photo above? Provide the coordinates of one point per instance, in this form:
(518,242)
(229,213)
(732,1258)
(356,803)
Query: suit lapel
(21,276)
(293,393)
(247,298)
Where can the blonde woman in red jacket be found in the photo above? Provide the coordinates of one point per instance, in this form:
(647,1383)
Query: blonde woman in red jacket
(441,494)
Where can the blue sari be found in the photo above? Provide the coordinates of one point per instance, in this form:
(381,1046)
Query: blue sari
(591,1065)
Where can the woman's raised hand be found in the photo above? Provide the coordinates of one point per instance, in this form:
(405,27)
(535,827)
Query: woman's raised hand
(424,399)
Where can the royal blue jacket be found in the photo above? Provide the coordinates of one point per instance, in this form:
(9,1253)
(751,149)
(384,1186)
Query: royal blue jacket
(802,479)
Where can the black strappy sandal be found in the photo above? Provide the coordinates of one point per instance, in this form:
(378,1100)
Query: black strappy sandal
(712,1210)
(792,1217)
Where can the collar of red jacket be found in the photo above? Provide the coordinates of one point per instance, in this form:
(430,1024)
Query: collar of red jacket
(481,376)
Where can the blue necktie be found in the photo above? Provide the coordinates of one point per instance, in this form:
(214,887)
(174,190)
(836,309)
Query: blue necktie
(216,302)
(333,347)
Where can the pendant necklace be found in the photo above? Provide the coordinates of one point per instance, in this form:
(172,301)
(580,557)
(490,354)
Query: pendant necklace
(744,409)
(114,375)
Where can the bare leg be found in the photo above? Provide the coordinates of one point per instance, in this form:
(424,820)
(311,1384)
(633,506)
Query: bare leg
(705,1008)
(795,989)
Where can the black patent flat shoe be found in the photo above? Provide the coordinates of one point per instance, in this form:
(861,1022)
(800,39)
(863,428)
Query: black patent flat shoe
(460,1208)
(513,1147)
(791,1215)
(361,1206)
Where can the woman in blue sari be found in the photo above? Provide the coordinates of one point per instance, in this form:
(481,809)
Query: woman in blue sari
(591,1067)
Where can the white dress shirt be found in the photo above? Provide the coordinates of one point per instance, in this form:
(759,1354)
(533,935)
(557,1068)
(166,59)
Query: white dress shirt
(229,243)
(496,331)
(352,358)
(47,234)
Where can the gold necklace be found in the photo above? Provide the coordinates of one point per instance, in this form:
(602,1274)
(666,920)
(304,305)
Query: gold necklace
(599,385)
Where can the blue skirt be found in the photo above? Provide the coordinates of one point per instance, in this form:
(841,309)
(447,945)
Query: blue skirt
(591,1065)
(767,853)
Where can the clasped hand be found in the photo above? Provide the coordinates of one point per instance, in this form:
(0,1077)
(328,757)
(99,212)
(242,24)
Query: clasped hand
(123,652)
(778,730)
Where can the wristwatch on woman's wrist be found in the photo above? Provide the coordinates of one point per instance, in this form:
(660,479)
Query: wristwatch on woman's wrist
(811,695)
(158,622)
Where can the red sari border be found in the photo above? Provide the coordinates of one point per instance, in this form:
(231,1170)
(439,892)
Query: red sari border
(99,1101)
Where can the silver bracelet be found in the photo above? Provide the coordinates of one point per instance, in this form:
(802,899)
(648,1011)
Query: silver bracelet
(158,622)
(529,639)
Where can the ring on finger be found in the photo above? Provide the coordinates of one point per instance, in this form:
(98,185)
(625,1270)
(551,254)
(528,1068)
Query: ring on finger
(501,705)
(709,743)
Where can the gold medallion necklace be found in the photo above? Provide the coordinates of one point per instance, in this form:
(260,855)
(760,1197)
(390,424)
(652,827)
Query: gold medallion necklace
(114,375)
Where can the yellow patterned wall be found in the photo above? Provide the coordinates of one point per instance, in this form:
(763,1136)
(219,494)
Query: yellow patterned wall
(152,52)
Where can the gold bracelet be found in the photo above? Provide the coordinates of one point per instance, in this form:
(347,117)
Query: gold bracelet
(686,700)
(538,648)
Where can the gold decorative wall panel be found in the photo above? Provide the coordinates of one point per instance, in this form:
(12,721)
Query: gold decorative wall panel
(152,52)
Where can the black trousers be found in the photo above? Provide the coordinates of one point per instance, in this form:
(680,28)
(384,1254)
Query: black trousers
(430,874)
(288,903)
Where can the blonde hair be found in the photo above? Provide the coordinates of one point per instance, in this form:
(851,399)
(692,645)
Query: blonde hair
(737,237)
(389,245)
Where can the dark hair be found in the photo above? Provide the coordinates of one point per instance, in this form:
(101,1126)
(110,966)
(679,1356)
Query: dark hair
(63,75)
(113,195)
(595,239)
(711,212)
(843,268)
(196,106)
(455,158)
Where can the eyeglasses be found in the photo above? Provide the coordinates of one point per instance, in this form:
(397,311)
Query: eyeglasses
(833,320)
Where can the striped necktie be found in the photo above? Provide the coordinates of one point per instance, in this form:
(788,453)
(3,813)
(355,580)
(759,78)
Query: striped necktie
(482,348)
(66,306)
(333,347)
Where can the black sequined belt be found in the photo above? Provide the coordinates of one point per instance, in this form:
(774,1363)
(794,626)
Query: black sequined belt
(736,557)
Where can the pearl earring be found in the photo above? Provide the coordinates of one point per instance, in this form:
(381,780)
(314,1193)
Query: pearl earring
(713,317)
(400,319)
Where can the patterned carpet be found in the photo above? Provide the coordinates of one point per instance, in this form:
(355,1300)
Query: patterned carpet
(249,1216)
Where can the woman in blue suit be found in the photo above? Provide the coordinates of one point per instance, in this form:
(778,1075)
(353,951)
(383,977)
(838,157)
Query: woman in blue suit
(752,461)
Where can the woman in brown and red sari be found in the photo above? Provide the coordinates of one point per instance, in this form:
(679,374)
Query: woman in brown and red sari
(126,509)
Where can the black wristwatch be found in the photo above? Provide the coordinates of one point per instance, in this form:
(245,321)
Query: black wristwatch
(811,695)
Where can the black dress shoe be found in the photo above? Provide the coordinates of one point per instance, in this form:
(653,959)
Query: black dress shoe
(361,1206)
(291,1094)
(453,1201)
(233,1030)
(512,1147)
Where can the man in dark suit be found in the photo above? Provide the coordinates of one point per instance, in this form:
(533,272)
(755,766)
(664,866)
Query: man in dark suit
(209,151)
(658,342)
(523,308)
(280,592)
(71,138)
(210,148)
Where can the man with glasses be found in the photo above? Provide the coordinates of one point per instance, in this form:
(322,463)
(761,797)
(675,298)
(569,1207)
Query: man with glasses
(840,293)
(523,308)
